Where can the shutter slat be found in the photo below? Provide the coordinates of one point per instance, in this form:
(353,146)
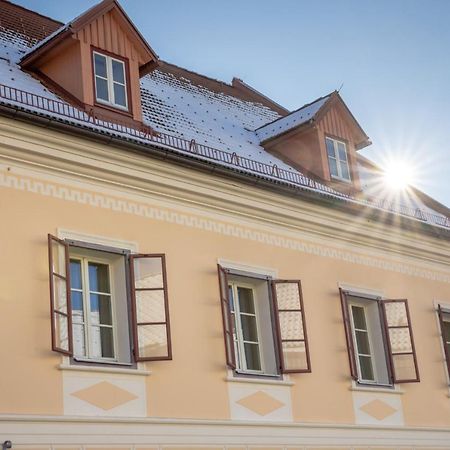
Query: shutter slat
(60,304)
(348,335)
(291,326)
(150,307)
(399,336)
(444,338)
(226,318)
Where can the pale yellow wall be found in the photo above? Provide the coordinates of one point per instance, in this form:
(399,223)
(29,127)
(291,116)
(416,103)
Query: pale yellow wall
(193,385)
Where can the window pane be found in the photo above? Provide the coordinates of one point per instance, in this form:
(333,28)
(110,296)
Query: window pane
(101,309)
(118,71)
(77,307)
(79,344)
(60,294)
(362,341)
(342,153)
(344,171)
(101,89)
(396,314)
(107,342)
(98,277)
(330,147)
(294,355)
(365,363)
(291,325)
(333,167)
(287,295)
(252,356)
(400,340)
(100,65)
(404,367)
(152,341)
(249,330)
(148,273)
(61,332)
(119,95)
(59,258)
(150,306)
(246,303)
(359,318)
(75,274)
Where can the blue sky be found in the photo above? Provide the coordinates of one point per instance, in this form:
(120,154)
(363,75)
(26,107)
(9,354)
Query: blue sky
(392,58)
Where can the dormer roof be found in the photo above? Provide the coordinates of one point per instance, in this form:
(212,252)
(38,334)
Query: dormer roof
(147,57)
(308,114)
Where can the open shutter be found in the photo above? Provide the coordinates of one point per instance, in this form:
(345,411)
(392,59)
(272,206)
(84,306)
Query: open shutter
(291,327)
(150,307)
(445,334)
(348,335)
(400,341)
(227,320)
(60,305)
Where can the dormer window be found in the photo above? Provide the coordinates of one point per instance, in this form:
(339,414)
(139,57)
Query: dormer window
(110,81)
(337,159)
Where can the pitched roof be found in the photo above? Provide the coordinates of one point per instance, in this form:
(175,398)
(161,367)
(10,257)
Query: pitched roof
(293,120)
(196,117)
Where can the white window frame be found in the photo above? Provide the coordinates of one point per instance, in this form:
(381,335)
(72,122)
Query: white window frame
(339,162)
(87,309)
(239,339)
(368,331)
(109,79)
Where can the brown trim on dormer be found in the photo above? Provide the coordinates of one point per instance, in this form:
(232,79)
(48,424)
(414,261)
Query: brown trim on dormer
(57,89)
(334,97)
(129,110)
(30,58)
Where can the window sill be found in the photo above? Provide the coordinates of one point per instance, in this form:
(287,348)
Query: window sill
(377,389)
(259,381)
(97,369)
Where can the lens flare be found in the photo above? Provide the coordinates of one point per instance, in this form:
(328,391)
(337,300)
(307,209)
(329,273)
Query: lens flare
(398,175)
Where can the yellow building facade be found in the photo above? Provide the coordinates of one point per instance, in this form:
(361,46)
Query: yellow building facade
(143,362)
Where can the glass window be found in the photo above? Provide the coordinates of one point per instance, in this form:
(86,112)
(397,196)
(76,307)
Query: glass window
(92,309)
(337,159)
(368,341)
(363,352)
(246,333)
(110,81)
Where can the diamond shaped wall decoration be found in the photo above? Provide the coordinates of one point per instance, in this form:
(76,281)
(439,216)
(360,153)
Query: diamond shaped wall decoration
(260,403)
(378,409)
(104,395)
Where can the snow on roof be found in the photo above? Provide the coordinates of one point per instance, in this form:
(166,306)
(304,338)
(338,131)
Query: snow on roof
(174,105)
(292,120)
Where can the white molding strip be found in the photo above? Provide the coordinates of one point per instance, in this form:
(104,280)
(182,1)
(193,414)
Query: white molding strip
(125,206)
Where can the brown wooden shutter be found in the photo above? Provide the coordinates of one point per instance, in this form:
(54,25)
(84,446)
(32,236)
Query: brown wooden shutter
(402,353)
(150,307)
(445,338)
(348,335)
(60,305)
(227,320)
(291,326)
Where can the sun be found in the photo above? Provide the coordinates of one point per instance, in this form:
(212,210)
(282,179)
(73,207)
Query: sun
(399,174)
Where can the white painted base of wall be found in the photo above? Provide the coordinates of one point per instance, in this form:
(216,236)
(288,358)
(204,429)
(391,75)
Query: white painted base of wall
(47,431)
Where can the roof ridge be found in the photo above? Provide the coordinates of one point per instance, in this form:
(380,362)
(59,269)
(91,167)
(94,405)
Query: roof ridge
(163,62)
